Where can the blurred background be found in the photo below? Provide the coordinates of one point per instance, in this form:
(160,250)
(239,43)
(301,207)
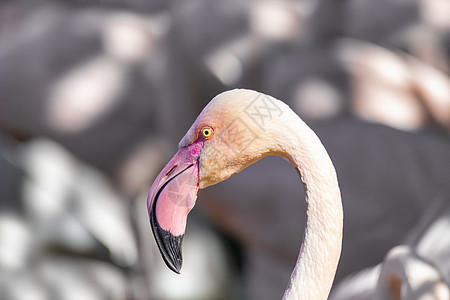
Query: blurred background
(96,94)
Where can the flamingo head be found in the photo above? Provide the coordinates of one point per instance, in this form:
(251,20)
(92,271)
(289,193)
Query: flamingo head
(222,141)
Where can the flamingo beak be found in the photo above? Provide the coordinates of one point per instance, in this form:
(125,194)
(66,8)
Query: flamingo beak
(171,198)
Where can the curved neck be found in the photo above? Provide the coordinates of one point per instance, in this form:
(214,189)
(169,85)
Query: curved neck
(261,126)
(397,281)
(317,262)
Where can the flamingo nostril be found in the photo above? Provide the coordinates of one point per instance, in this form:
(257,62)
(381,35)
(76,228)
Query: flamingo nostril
(171,170)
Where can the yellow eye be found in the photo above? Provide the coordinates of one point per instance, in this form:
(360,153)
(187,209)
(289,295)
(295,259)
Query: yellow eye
(206,132)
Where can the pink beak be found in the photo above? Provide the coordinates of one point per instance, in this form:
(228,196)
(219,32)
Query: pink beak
(171,198)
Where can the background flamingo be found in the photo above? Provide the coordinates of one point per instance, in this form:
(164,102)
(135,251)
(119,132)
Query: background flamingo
(418,269)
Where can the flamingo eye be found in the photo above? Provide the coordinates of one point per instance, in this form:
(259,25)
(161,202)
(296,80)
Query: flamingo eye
(207,132)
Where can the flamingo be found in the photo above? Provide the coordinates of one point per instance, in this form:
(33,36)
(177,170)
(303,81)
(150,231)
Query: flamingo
(236,129)
(406,275)
(418,269)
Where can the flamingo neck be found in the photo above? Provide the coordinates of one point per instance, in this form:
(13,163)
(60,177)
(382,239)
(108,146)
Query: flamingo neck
(263,126)
(317,262)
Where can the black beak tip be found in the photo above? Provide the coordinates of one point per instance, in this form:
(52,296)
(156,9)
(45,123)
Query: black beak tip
(169,246)
(176,267)
(173,259)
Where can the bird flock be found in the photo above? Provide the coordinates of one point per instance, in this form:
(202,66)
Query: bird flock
(94,98)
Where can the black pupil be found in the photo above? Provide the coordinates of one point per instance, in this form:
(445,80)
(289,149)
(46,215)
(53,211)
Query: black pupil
(206,132)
